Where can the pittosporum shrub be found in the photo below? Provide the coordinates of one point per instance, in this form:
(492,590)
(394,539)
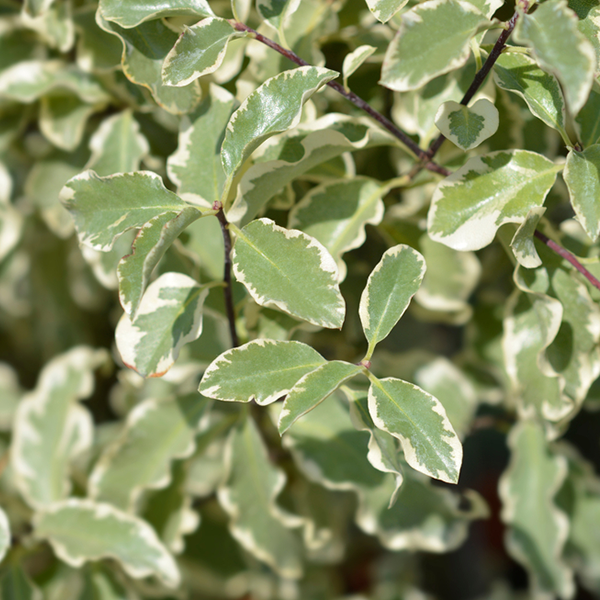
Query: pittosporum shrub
(267,267)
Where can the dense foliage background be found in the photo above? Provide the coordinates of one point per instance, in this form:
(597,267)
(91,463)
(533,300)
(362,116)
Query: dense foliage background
(118,126)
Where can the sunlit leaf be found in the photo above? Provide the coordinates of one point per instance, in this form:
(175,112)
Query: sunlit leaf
(135,12)
(384,10)
(4,534)
(522,243)
(263,370)
(287,269)
(354,60)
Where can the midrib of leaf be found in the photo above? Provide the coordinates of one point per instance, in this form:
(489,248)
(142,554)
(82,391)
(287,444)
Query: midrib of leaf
(376,382)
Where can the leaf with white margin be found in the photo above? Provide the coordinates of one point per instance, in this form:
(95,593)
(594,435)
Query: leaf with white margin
(313,388)
(389,290)
(54,26)
(63,118)
(144,49)
(419,421)
(522,243)
(538,530)
(573,354)
(449,281)
(150,244)
(16,585)
(196,166)
(289,270)
(11,221)
(81,530)
(530,324)
(384,10)
(169,316)
(261,370)
(487,7)
(296,153)
(354,60)
(467,126)
(117,145)
(336,214)
(559,47)
(105,207)
(248,495)
(272,108)
(4,534)
(96,51)
(10,395)
(468,207)
(155,433)
(134,12)
(583,181)
(426,47)
(200,50)
(50,428)
(274,11)
(383,453)
(518,73)
(170,512)
(587,122)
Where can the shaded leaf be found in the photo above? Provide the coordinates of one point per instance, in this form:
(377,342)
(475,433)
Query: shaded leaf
(588,118)
(274,107)
(419,421)
(169,316)
(522,243)
(313,388)
(15,585)
(551,32)
(263,370)
(287,269)
(81,530)
(4,534)
(390,287)
(354,60)
(425,46)
(273,11)
(468,207)
(155,433)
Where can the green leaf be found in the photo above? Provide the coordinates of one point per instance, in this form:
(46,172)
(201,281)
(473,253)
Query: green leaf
(518,73)
(522,243)
(384,10)
(81,530)
(196,166)
(336,213)
(537,528)
(551,32)
(419,421)
(105,207)
(261,370)
(117,145)
(468,207)
(425,46)
(144,50)
(328,137)
(487,7)
(135,12)
(150,244)
(200,50)
(169,316)
(4,534)
(467,126)
(354,60)
(274,11)
(10,395)
(11,221)
(248,494)
(583,181)
(96,49)
(313,388)
(588,119)
(50,428)
(54,25)
(15,585)
(390,287)
(287,269)
(155,433)
(274,107)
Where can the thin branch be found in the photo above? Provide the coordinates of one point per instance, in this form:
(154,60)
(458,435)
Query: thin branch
(352,97)
(567,256)
(480,76)
(227,290)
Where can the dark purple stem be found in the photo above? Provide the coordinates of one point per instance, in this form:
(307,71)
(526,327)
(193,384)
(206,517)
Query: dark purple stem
(568,256)
(356,100)
(227,290)
(479,77)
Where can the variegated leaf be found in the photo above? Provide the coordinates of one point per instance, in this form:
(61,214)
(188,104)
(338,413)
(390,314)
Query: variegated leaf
(287,269)
(522,243)
(135,12)
(263,370)
(4,534)
(354,60)
(384,10)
